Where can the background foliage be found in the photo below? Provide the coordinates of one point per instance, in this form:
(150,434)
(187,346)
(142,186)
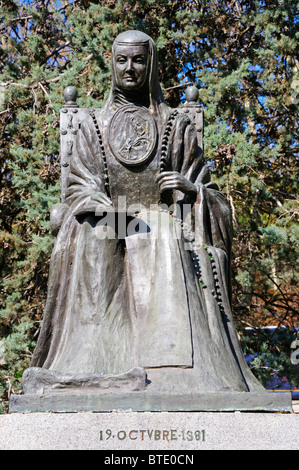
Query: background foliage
(242,57)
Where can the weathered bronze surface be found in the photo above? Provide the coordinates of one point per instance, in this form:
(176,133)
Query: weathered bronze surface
(139,297)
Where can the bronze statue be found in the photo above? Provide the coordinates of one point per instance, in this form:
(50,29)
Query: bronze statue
(133,315)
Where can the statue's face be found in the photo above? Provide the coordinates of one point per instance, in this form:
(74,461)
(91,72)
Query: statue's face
(131,64)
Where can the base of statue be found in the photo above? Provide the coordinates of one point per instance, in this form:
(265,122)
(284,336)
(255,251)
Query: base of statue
(48,391)
(72,402)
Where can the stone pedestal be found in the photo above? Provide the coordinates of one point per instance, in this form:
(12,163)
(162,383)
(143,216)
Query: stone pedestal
(145,434)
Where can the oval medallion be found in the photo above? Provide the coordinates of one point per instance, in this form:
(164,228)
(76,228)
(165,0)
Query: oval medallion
(132,135)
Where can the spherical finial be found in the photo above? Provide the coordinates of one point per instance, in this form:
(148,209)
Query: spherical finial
(192,94)
(70,95)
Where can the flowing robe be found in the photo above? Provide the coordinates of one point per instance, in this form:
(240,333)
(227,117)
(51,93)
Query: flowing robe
(140,300)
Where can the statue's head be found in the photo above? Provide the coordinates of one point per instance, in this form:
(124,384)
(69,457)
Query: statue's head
(131,57)
(134,66)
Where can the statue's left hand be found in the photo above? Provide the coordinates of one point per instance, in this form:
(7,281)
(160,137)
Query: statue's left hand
(175,180)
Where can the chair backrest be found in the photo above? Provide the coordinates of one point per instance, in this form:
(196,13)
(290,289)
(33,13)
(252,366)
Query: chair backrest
(71,116)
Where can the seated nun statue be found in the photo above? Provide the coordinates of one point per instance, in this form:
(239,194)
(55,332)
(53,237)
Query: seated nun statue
(139,295)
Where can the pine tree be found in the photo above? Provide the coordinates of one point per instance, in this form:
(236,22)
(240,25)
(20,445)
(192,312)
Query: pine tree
(242,57)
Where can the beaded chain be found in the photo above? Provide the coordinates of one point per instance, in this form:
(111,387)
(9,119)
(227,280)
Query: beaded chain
(196,264)
(217,292)
(106,175)
(165,140)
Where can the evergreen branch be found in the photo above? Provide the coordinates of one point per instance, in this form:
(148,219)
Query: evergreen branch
(66,6)
(285,302)
(177,86)
(55,52)
(20,18)
(50,80)
(46,93)
(10,83)
(285,194)
(277,201)
(234,213)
